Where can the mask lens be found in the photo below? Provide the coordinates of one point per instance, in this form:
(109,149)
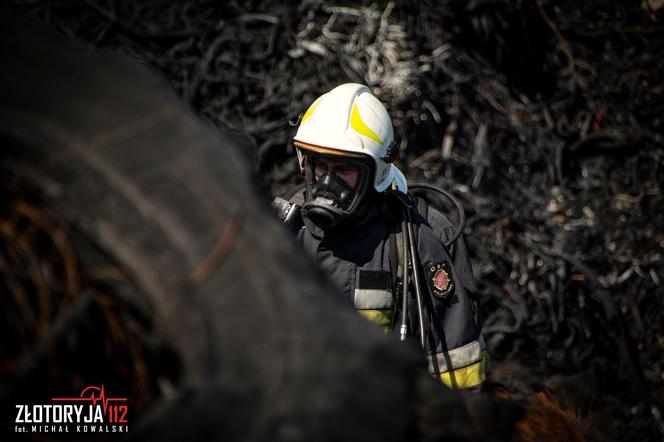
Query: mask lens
(345,169)
(335,186)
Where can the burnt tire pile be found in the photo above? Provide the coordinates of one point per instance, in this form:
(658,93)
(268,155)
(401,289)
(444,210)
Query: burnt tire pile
(544,118)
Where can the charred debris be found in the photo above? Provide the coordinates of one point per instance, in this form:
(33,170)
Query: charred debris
(543,117)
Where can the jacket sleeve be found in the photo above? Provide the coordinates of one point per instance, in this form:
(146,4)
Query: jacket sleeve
(444,230)
(455,347)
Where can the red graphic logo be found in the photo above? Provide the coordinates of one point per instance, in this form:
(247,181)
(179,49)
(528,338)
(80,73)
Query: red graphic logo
(116,413)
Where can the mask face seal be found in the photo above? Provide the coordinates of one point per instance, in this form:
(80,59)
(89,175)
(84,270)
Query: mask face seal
(329,198)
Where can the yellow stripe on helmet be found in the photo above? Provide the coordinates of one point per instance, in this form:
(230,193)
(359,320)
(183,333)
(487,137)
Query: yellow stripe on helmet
(311,109)
(360,126)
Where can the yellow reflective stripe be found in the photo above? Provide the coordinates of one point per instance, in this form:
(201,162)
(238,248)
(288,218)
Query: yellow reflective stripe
(466,377)
(311,109)
(380,317)
(360,126)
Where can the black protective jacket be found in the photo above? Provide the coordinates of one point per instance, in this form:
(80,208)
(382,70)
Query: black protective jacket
(358,258)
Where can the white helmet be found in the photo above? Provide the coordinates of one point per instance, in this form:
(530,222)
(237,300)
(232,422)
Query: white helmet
(349,121)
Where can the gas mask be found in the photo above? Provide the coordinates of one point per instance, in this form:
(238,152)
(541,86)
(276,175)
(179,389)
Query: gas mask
(329,197)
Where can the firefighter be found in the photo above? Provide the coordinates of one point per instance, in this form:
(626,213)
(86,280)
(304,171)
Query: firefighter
(355,217)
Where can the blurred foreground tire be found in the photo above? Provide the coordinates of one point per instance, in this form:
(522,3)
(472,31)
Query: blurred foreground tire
(258,347)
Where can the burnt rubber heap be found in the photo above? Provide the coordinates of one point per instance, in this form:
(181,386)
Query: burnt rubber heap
(543,117)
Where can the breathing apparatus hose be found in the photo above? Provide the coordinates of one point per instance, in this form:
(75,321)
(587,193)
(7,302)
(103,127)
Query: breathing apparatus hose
(410,257)
(404,296)
(414,261)
(450,197)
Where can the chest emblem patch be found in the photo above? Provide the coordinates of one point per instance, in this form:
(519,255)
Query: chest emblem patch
(441,279)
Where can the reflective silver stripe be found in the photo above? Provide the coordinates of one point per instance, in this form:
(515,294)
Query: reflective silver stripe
(458,357)
(373,299)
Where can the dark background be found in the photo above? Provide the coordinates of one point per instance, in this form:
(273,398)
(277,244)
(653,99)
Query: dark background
(543,117)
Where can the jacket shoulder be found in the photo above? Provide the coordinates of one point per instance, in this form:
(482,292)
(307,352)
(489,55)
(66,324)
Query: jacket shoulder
(440,224)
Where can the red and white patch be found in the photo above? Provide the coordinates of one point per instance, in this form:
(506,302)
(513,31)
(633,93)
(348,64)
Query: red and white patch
(442,282)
